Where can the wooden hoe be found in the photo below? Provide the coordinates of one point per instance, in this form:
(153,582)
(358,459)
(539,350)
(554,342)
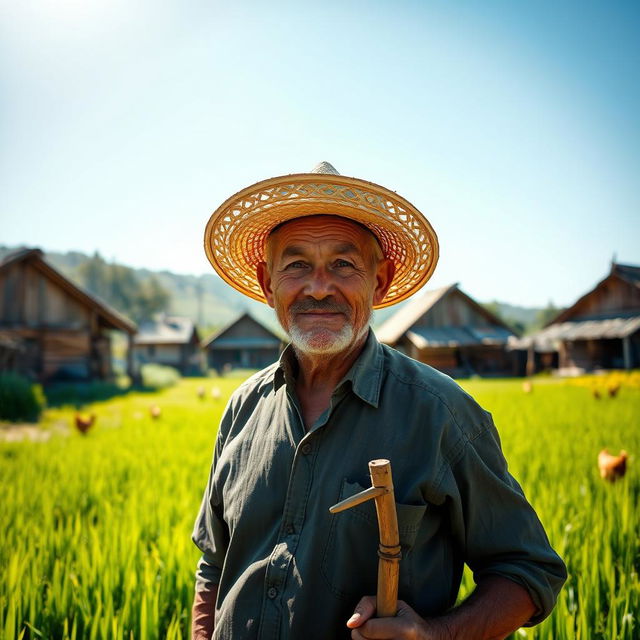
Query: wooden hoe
(389,548)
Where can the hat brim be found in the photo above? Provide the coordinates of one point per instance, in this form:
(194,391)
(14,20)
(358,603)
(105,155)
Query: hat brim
(236,233)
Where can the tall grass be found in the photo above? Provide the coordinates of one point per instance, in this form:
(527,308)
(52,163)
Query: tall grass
(96,529)
(551,439)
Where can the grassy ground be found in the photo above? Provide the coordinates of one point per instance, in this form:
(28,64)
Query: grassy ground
(96,528)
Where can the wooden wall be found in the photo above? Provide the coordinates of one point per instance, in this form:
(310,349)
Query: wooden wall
(453,310)
(593,354)
(29,299)
(170,354)
(241,358)
(59,336)
(186,358)
(611,296)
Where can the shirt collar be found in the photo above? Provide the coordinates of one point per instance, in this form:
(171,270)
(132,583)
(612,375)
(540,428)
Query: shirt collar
(287,368)
(365,375)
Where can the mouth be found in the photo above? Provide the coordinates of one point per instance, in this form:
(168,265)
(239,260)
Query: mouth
(319,315)
(325,313)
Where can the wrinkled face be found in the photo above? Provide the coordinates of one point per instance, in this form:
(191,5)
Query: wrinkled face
(323,275)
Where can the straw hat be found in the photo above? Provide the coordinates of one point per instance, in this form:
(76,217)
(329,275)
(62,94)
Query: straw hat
(235,236)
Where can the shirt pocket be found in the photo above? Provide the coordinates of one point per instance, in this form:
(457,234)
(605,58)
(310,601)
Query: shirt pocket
(350,556)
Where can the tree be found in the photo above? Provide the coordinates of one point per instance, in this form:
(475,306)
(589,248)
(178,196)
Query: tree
(153,297)
(543,316)
(120,287)
(94,276)
(495,308)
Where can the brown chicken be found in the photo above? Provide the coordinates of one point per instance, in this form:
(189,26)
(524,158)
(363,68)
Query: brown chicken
(613,390)
(612,467)
(84,422)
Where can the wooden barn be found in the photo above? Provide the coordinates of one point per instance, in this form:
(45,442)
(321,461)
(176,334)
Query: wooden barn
(51,329)
(171,341)
(602,329)
(533,356)
(245,344)
(450,331)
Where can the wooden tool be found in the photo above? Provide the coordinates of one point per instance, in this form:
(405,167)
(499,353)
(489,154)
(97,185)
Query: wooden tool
(389,549)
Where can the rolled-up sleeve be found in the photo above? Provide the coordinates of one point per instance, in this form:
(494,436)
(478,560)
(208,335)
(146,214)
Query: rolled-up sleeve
(497,528)
(210,532)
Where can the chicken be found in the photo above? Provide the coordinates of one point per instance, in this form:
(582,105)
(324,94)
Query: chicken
(215,393)
(596,393)
(612,467)
(613,390)
(527,386)
(201,392)
(155,411)
(84,422)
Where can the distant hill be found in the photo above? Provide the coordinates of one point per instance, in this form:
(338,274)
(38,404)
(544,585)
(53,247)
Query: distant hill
(211,303)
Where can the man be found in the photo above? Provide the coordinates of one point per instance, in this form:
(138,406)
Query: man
(323,250)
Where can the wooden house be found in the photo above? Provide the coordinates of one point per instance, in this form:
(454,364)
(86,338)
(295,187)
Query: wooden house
(450,331)
(531,356)
(245,343)
(602,329)
(171,341)
(51,329)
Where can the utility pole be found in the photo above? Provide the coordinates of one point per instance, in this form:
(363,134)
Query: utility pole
(200,301)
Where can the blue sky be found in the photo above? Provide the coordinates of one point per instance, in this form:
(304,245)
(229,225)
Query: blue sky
(513,126)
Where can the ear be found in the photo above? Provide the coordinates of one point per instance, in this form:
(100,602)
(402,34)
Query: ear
(384,277)
(264,280)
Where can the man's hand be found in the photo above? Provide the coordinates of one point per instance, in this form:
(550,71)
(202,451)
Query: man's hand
(407,625)
(495,609)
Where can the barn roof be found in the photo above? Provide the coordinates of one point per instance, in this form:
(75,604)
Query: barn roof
(167,330)
(394,327)
(114,319)
(222,341)
(402,322)
(458,336)
(595,329)
(627,273)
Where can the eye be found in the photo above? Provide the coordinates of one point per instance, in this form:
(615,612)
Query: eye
(341,263)
(296,264)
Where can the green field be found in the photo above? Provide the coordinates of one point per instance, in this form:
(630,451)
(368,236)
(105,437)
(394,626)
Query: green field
(96,529)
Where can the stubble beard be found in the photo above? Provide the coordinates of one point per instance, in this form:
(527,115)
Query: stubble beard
(320,341)
(323,342)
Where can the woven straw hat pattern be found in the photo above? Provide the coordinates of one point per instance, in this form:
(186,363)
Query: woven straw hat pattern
(236,233)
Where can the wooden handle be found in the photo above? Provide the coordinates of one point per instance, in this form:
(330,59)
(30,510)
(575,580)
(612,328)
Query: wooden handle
(389,549)
(359,498)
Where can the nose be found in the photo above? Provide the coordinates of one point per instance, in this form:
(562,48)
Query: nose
(319,285)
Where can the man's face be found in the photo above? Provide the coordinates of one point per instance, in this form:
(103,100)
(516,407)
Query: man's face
(323,275)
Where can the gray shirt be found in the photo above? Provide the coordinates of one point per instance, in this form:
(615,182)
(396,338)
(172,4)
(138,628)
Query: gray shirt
(287,568)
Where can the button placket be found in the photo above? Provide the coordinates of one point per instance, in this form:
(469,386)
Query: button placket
(282,555)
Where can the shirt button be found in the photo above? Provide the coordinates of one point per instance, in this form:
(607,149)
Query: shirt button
(272,593)
(306,449)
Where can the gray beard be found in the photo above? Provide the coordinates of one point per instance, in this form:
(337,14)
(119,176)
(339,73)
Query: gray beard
(329,344)
(322,342)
